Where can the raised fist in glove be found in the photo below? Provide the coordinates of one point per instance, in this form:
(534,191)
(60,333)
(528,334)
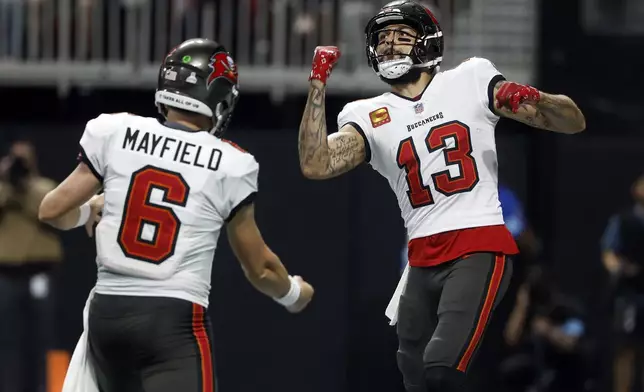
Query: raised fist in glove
(512,95)
(324,58)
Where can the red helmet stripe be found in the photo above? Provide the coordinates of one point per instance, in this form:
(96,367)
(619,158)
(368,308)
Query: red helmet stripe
(431,15)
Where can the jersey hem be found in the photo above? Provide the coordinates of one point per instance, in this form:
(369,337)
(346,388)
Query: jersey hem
(181,296)
(449,246)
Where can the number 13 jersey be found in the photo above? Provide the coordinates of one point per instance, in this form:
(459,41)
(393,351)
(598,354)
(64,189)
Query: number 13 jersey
(438,153)
(168,193)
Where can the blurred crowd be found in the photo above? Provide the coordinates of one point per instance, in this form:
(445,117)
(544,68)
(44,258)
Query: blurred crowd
(115,30)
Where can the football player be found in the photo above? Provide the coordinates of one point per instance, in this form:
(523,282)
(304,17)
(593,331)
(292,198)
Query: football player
(432,138)
(169,189)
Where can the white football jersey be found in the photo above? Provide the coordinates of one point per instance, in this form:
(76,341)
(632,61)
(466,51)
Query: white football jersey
(437,151)
(168,193)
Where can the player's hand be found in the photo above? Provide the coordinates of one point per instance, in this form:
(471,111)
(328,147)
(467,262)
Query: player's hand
(324,58)
(96,204)
(512,95)
(306,294)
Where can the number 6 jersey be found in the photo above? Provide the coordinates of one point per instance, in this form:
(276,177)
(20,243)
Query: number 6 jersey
(168,193)
(438,153)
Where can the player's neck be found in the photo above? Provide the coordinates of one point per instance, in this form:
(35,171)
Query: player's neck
(188,122)
(414,89)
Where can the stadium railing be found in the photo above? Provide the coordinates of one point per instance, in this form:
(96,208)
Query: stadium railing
(119,43)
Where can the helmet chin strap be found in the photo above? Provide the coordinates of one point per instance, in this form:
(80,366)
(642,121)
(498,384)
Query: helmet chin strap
(220,117)
(223,113)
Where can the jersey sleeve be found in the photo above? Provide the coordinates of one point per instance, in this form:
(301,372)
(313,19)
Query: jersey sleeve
(94,143)
(486,76)
(240,186)
(349,115)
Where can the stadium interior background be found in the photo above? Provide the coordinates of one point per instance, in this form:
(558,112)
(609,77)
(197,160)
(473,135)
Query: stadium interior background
(63,62)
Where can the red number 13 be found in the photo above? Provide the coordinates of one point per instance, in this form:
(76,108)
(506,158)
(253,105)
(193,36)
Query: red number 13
(459,154)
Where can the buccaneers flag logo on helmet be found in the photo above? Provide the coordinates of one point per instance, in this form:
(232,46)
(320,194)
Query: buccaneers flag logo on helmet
(222,66)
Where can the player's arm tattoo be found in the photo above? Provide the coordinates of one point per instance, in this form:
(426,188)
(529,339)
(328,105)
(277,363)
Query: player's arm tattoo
(323,156)
(556,113)
(347,150)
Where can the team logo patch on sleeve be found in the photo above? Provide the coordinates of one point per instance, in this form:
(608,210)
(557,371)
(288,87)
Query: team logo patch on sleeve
(379,117)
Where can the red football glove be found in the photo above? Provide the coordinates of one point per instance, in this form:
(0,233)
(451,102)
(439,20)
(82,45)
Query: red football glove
(512,95)
(324,59)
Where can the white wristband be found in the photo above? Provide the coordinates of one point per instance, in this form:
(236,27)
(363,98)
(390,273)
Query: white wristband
(85,210)
(293,294)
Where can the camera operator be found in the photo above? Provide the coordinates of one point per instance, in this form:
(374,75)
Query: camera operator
(28,254)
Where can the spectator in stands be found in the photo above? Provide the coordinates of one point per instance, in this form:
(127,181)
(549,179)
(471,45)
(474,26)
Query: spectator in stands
(623,257)
(28,254)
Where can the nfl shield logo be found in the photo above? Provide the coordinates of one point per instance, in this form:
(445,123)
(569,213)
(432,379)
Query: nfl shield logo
(418,108)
